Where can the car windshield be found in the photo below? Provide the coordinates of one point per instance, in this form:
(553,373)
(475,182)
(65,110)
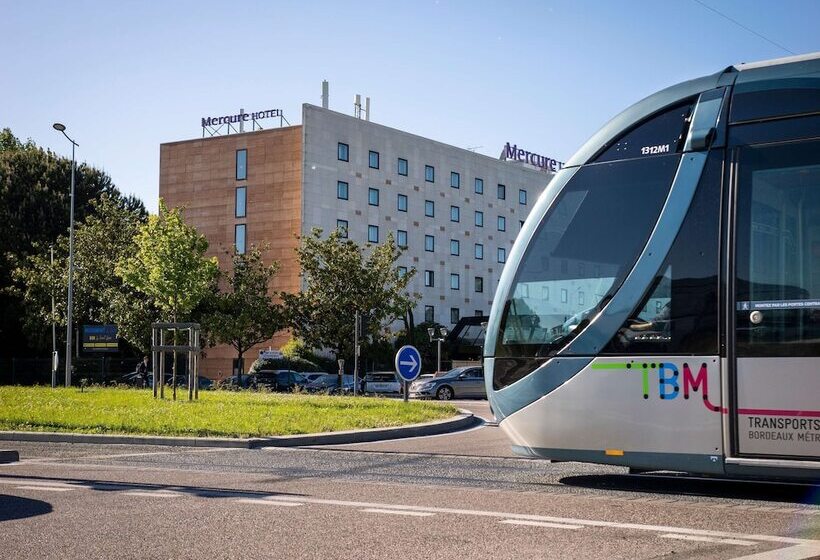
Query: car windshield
(581,252)
(454,372)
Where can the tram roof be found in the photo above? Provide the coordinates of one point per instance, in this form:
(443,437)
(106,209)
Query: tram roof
(778,68)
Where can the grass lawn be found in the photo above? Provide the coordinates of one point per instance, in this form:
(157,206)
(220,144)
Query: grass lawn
(217,413)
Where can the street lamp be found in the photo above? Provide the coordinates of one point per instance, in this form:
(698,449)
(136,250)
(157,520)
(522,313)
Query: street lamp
(61,128)
(431,332)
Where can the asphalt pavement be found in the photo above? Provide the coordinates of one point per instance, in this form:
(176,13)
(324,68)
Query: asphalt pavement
(456,496)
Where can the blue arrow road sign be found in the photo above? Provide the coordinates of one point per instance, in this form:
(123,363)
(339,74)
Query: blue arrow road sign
(408,363)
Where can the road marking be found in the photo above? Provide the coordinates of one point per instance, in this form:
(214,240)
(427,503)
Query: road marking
(399,512)
(149,494)
(267,502)
(708,539)
(540,524)
(800,552)
(49,488)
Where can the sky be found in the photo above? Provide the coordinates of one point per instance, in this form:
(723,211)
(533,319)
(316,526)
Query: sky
(126,76)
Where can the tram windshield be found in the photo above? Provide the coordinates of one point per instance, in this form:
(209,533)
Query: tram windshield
(581,252)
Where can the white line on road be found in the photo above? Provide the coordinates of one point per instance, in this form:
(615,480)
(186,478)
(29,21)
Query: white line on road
(148,494)
(399,512)
(49,488)
(708,539)
(267,502)
(540,524)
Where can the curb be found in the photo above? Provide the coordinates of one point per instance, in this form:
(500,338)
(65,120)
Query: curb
(7,456)
(464,420)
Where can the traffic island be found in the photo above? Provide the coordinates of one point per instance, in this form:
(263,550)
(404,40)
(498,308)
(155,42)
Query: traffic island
(218,419)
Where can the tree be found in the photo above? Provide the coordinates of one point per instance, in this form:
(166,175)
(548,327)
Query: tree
(34,212)
(169,266)
(103,238)
(244,315)
(341,278)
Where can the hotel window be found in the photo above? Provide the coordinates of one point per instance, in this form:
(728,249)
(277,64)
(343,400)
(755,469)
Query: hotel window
(373,160)
(429,208)
(479,313)
(241,165)
(429,279)
(402,167)
(564,295)
(429,243)
(455,282)
(479,218)
(502,223)
(429,173)
(343,152)
(241,200)
(455,315)
(502,192)
(502,255)
(401,238)
(372,234)
(581,298)
(429,313)
(455,180)
(479,285)
(402,203)
(479,251)
(522,197)
(479,186)
(373,197)
(341,190)
(545,293)
(239,238)
(455,247)
(402,271)
(341,227)
(455,214)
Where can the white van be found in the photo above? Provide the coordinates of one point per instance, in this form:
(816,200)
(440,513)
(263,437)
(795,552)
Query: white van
(382,382)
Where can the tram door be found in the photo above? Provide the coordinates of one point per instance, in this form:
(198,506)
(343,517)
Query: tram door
(777,307)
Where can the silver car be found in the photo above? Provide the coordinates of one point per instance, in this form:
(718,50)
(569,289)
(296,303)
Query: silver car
(461,382)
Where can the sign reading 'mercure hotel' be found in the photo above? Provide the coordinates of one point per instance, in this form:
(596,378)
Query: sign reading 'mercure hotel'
(515,153)
(241,117)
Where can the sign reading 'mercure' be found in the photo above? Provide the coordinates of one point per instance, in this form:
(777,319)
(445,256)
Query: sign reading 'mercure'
(241,117)
(513,152)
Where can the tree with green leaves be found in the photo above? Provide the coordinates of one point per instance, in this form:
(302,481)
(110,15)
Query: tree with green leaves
(104,237)
(244,315)
(34,212)
(341,278)
(170,266)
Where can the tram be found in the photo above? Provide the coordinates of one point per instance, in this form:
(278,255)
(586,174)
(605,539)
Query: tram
(660,308)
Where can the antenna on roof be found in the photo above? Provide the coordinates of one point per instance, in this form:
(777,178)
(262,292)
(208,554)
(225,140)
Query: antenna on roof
(325,94)
(357,107)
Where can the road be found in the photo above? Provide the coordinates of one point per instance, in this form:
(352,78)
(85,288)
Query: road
(454,496)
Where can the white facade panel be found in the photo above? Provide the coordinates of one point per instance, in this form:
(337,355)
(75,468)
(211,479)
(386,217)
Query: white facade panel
(323,130)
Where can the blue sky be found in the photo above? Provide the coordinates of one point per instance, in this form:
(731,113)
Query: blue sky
(126,76)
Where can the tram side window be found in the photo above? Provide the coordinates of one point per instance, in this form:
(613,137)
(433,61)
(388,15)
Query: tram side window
(679,312)
(662,134)
(778,250)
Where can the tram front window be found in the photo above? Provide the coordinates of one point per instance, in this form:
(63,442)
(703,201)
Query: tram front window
(582,251)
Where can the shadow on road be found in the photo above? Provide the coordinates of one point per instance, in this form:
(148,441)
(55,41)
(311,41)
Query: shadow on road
(14,507)
(688,485)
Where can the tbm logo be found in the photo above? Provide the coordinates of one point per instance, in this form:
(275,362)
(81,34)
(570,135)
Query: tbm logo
(668,379)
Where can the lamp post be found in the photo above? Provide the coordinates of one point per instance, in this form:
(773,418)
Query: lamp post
(61,128)
(431,332)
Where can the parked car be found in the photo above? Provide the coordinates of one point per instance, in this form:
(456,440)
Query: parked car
(381,382)
(329,383)
(312,376)
(279,380)
(460,382)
